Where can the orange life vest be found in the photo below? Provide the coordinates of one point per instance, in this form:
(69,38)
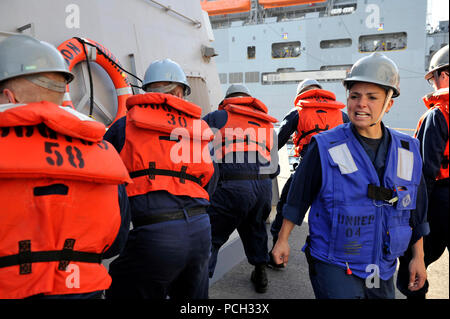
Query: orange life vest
(248,128)
(438,100)
(318,111)
(60,211)
(166,146)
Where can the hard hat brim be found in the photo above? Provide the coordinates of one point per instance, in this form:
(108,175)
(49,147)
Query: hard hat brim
(69,76)
(371,80)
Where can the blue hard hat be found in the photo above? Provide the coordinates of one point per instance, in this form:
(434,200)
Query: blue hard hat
(166,71)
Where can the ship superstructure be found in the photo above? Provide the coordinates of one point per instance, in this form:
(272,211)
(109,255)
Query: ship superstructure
(272,45)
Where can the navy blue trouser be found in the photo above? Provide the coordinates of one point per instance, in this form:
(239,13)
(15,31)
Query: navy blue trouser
(278,221)
(243,205)
(434,243)
(332,282)
(164,259)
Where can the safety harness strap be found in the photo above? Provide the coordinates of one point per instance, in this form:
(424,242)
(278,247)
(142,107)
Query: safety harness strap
(379,192)
(316,129)
(47,83)
(26,257)
(152,171)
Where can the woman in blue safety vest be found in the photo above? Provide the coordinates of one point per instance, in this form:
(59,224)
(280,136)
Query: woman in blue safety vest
(368,198)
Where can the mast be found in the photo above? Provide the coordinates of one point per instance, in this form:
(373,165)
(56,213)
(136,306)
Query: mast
(256,13)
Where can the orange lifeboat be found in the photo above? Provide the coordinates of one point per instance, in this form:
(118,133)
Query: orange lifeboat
(225,6)
(267,4)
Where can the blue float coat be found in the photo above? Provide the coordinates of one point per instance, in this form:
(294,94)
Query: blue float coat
(307,182)
(288,127)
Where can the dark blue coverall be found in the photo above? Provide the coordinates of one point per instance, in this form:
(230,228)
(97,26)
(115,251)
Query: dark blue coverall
(242,204)
(163,259)
(305,186)
(287,128)
(433,136)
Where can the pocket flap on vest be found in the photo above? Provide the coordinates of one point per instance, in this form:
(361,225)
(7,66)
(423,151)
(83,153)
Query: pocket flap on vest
(343,158)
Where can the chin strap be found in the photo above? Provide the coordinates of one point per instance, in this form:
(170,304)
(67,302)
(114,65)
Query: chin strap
(162,89)
(47,83)
(386,102)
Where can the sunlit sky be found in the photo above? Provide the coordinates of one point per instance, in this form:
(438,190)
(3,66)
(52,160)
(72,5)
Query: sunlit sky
(438,10)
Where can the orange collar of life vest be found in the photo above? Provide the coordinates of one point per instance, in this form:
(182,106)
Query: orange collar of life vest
(438,97)
(68,157)
(318,98)
(64,120)
(168,114)
(248,106)
(168,99)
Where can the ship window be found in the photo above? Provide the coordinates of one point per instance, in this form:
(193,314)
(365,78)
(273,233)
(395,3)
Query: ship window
(286,50)
(382,42)
(337,43)
(346,67)
(333,74)
(223,78)
(251,77)
(236,77)
(251,52)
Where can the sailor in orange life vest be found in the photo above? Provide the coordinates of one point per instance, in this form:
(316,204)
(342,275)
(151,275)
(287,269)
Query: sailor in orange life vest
(168,248)
(367,194)
(432,132)
(61,210)
(243,149)
(316,110)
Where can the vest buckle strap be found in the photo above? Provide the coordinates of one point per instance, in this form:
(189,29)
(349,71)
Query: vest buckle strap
(152,171)
(381,193)
(183,174)
(316,129)
(66,253)
(24,257)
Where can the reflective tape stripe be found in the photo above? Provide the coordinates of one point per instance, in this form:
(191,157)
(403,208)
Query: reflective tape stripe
(66,97)
(405,164)
(343,158)
(79,115)
(92,53)
(5,107)
(123,91)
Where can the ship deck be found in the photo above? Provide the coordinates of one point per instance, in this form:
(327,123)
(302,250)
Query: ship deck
(293,282)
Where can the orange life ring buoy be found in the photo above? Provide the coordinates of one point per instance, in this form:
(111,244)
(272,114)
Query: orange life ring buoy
(73,53)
